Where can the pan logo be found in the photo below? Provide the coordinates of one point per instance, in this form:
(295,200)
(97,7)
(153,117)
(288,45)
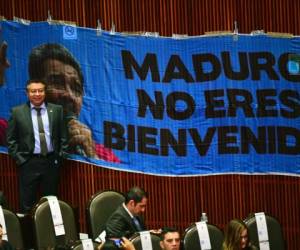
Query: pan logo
(69,32)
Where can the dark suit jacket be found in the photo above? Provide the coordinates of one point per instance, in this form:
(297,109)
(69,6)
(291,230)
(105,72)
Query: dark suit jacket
(20,135)
(121,224)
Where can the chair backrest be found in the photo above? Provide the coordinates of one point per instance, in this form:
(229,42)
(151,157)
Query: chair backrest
(44,229)
(78,245)
(191,238)
(137,242)
(13,228)
(275,234)
(100,208)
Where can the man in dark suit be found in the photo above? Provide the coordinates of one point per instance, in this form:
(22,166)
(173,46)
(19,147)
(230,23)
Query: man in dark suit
(127,220)
(36,138)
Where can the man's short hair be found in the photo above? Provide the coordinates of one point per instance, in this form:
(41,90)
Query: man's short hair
(42,53)
(136,194)
(35,81)
(166,230)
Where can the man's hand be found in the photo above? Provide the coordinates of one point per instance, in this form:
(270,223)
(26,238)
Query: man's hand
(4,63)
(126,244)
(80,139)
(155,231)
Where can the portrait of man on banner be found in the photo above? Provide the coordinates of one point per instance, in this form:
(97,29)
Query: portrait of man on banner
(58,68)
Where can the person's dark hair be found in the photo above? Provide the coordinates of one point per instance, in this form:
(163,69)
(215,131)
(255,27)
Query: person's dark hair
(43,52)
(35,81)
(136,194)
(166,230)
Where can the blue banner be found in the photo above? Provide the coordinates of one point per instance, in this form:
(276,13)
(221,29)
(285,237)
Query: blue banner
(164,106)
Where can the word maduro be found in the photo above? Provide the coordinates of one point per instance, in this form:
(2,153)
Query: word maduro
(250,65)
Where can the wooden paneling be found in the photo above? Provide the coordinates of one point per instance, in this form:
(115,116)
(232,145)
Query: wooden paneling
(178,201)
(173,201)
(192,17)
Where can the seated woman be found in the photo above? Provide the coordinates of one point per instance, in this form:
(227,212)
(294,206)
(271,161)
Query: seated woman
(236,236)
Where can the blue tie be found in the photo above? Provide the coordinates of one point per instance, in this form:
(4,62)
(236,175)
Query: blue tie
(137,224)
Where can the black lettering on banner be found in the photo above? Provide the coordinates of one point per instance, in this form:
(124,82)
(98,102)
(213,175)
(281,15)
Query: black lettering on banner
(177,70)
(156,107)
(174,97)
(269,103)
(131,138)
(240,75)
(147,141)
(257,65)
(248,138)
(259,62)
(239,99)
(214,103)
(220,103)
(227,140)
(113,130)
(272,145)
(201,75)
(230,140)
(202,146)
(266,104)
(149,64)
(291,99)
(287,145)
(168,140)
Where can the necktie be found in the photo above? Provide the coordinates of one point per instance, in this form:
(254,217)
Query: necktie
(43,144)
(137,224)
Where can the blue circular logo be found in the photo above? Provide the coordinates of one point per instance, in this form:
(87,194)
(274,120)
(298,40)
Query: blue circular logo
(69,30)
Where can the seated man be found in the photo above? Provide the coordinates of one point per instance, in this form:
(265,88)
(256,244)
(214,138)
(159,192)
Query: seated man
(127,220)
(170,239)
